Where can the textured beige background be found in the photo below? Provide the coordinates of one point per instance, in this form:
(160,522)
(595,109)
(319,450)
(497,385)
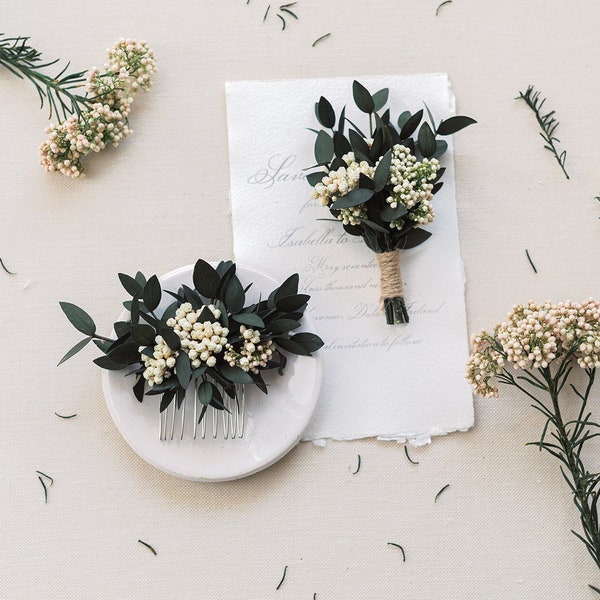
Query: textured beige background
(501,531)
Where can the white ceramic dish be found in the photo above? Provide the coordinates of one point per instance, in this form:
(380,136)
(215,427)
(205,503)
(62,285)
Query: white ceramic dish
(274,421)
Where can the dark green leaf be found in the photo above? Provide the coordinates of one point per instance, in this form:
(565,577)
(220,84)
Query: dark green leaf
(206,279)
(125,354)
(140,278)
(310,341)
(375,226)
(314,178)
(104,362)
(138,388)
(382,171)
(235,374)
(405,116)
(224,319)
(358,143)
(437,187)
(288,288)
(224,281)
(291,346)
(161,388)
(430,116)
(440,148)
(426,140)
(353,229)
(342,121)
(193,297)
(171,338)
(183,370)
(152,293)
(291,303)
(79,318)
(362,97)
(341,145)
(249,319)
(217,399)
(103,345)
(454,124)
(377,145)
(143,335)
(415,237)
(75,349)
(122,328)
(353,198)
(206,315)
(199,371)
(234,295)
(411,125)
(325,113)
(167,399)
(390,214)
(283,325)
(205,392)
(380,98)
(223,267)
(323,148)
(130,284)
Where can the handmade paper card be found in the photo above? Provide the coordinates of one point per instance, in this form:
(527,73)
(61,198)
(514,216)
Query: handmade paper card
(394,382)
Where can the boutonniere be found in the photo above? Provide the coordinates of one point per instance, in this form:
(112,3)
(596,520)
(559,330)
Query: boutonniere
(380,186)
(550,353)
(208,336)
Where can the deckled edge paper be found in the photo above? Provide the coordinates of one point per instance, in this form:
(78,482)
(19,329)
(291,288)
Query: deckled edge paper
(393,382)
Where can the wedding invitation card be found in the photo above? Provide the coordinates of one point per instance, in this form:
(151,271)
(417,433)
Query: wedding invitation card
(394,382)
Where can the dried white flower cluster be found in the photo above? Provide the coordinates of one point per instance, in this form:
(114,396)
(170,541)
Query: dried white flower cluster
(128,69)
(532,337)
(252,355)
(201,341)
(409,182)
(411,185)
(339,183)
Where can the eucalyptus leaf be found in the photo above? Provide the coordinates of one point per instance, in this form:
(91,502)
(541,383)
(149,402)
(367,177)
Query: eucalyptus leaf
(382,171)
(288,288)
(280,326)
(75,349)
(143,335)
(249,319)
(310,341)
(122,328)
(358,142)
(206,279)
(141,279)
(171,338)
(362,97)
(426,140)
(235,374)
(325,113)
(152,293)
(341,145)
(314,178)
(324,148)
(125,354)
(437,187)
(380,99)
(183,369)
(375,226)
(167,399)
(292,303)
(104,362)
(79,318)
(130,284)
(390,214)
(291,346)
(405,116)
(138,388)
(415,237)
(353,198)
(205,392)
(411,125)
(440,148)
(454,124)
(234,295)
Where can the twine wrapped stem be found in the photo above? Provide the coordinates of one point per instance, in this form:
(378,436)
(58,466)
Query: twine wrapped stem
(392,287)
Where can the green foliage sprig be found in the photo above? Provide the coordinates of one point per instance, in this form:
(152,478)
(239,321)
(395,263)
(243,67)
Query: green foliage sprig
(547,122)
(257,335)
(25,61)
(537,349)
(380,185)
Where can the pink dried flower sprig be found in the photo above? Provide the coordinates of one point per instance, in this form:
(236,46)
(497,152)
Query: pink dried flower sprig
(129,68)
(537,350)
(535,336)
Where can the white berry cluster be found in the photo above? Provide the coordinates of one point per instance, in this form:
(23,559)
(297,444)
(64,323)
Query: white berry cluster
(410,185)
(129,68)
(532,337)
(201,341)
(339,183)
(252,354)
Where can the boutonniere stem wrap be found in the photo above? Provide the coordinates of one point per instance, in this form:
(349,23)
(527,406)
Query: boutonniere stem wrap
(380,186)
(209,336)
